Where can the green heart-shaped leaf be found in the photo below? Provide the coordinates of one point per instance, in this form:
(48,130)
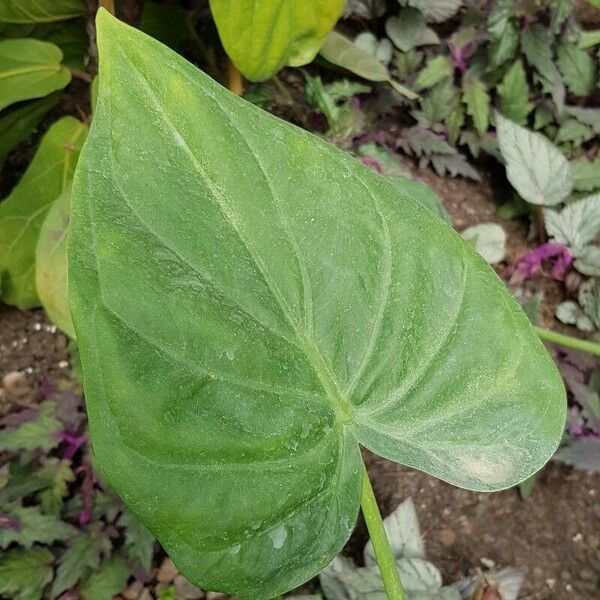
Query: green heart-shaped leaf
(261,37)
(252,304)
(30,69)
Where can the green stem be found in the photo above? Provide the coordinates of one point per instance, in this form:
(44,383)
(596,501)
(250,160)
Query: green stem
(568,341)
(381,545)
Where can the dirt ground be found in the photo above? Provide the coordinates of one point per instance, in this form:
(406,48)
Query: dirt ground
(554,536)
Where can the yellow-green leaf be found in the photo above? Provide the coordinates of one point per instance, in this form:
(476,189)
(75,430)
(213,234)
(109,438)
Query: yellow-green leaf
(51,263)
(30,69)
(24,211)
(261,36)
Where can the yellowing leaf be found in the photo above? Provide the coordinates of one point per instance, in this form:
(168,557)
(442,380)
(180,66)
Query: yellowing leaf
(51,263)
(261,36)
(30,69)
(24,211)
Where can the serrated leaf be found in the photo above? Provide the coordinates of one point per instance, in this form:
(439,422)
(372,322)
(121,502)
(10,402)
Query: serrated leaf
(34,527)
(489,239)
(581,453)
(108,581)
(18,124)
(51,263)
(439,103)
(514,94)
(30,69)
(436,70)
(534,166)
(502,28)
(454,164)
(82,555)
(25,573)
(577,224)
(578,68)
(536,44)
(39,433)
(589,299)
(24,210)
(436,11)
(403,532)
(477,101)
(39,11)
(139,542)
(586,174)
(312,305)
(418,141)
(573,131)
(262,37)
(58,473)
(587,116)
(409,30)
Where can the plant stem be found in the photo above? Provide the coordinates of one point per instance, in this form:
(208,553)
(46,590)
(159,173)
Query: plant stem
(235,82)
(568,341)
(383,552)
(109,5)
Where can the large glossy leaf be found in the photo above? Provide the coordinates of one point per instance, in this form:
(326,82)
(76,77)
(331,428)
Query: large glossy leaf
(261,36)
(39,11)
(24,211)
(30,69)
(51,263)
(252,304)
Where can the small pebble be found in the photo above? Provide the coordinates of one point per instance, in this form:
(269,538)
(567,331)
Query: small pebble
(447,537)
(63,364)
(550,582)
(487,562)
(14,382)
(186,590)
(133,591)
(578,537)
(214,595)
(167,572)
(145,595)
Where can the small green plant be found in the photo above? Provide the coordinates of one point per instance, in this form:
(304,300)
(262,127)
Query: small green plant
(252,305)
(59,530)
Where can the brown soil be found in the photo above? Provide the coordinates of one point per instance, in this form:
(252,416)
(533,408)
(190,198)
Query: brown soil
(554,536)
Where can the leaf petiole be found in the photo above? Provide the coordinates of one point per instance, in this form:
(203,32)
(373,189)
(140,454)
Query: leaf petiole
(383,551)
(560,339)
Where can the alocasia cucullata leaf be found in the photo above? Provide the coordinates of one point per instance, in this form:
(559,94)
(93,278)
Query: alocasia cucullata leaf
(252,304)
(261,36)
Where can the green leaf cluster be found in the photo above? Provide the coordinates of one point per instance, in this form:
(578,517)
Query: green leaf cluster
(532,74)
(60,531)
